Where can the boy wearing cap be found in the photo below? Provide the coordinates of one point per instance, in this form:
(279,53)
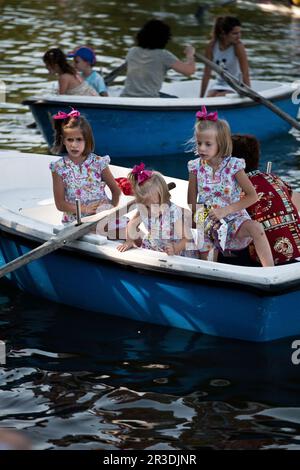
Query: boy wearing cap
(84,59)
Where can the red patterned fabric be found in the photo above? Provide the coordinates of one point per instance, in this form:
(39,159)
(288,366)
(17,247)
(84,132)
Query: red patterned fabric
(125,186)
(278,216)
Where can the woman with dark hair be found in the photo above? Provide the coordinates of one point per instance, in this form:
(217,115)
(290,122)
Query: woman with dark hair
(227,51)
(149,61)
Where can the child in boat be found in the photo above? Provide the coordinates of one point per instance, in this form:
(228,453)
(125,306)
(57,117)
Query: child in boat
(69,80)
(227,51)
(216,180)
(277,208)
(80,173)
(84,60)
(165,222)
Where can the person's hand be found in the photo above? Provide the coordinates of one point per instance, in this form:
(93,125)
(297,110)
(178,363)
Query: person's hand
(90,208)
(126,245)
(171,250)
(189,52)
(218,213)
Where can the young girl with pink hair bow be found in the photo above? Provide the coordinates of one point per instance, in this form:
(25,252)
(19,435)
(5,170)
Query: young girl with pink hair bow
(216,182)
(166,223)
(80,173)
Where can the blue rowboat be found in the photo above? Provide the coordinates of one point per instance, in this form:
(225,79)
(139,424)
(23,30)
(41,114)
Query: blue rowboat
(248,303)
(144,127)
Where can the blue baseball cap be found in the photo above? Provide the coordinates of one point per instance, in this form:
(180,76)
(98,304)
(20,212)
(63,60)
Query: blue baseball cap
(85,53)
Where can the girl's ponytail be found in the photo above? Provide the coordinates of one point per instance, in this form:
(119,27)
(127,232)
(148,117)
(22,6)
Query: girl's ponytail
(58,145)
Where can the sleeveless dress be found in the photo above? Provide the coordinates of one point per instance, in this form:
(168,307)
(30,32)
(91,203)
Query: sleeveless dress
(161,229)
(220,190)
(83,89)
(228,60)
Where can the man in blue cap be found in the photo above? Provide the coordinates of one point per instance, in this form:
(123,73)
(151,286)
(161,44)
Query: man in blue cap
(84,59)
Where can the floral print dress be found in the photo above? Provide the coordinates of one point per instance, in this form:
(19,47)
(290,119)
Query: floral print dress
(161,229)
(82,181)
(220,189)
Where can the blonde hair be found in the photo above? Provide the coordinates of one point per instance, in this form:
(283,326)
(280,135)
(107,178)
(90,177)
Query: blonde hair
(155,184)
(223,134)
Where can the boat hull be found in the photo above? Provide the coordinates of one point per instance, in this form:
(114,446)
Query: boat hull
(213,308)
(145,131)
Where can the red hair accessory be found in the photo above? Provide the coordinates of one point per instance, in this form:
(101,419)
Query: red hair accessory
(141,175)
(203,115)
(62,115)
(125,186)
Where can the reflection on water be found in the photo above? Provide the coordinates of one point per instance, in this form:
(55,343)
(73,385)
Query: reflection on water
(78,380)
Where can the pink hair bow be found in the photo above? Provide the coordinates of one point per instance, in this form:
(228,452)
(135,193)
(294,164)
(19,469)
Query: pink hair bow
(141,175)
(205,116)
(62,115)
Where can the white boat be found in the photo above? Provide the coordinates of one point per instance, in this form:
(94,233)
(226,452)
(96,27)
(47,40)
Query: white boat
(249,303)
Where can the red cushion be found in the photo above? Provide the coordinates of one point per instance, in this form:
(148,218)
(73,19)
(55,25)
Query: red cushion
(278,216)
(125,185)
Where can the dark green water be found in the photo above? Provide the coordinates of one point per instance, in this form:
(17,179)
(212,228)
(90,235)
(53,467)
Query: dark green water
(76,380)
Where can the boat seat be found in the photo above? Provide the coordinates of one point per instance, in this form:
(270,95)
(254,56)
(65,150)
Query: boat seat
(93,238)
(43,213)
(47,212)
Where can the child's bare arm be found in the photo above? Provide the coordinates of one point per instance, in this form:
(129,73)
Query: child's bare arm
(249,198)
(183,234)
(132,233)
(111,183)
(296,200)
(65,206)
(192,191)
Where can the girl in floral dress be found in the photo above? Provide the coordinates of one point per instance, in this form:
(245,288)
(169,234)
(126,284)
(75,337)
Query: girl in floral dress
(80,174)
(216,180)
(166,225)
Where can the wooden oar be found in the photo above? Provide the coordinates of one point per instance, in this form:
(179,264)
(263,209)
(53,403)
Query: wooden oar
(110,77)
(245,90)
(66,235)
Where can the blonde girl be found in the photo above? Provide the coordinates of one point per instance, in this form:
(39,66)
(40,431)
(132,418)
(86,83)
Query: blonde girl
(164,221)
(216,180)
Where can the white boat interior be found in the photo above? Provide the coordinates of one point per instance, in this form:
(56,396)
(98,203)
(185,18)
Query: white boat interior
(27,209)
(186,91)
